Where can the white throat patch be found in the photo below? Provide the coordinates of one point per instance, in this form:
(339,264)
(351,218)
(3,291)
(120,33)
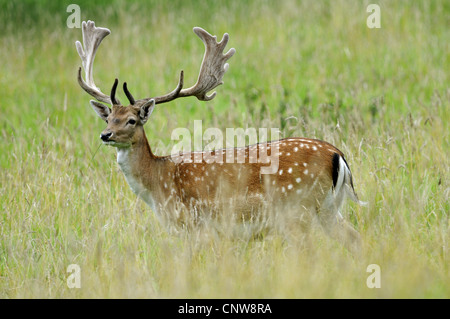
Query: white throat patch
(123,159)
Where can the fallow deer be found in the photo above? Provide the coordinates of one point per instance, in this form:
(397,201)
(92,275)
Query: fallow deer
(312,176)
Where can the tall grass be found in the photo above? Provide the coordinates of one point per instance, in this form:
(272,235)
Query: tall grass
(309,68)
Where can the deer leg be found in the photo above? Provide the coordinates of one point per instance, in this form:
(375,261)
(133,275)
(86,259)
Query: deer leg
(339,229)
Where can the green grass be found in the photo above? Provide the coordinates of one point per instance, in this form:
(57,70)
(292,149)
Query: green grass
(380,95)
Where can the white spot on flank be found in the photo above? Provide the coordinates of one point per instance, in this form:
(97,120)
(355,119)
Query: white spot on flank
(305,164)
(295,149)
(305,172)
(283,189)
(290,186)
(299,191)
(290,170)
(281,172)
(314,148)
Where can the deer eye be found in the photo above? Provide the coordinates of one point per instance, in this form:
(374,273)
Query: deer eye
(131,121)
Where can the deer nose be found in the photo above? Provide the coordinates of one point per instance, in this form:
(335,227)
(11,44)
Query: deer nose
(105,136)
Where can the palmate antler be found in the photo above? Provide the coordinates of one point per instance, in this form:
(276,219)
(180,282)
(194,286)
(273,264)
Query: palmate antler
(212,69)
(92,37)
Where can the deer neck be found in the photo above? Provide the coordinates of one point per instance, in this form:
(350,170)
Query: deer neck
(141,169)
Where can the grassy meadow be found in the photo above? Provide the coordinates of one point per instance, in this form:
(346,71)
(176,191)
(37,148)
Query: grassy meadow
(309,68)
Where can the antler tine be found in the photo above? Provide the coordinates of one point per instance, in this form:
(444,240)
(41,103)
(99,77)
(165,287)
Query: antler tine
(128,94)
(92,37)
(172,95)
(113,93)
(167,97)
(212,70)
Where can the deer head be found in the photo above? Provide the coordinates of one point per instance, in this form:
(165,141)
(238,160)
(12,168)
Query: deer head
(124,123)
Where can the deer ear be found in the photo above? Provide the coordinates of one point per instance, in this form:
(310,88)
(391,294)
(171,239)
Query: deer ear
(102,110)
(146,110)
